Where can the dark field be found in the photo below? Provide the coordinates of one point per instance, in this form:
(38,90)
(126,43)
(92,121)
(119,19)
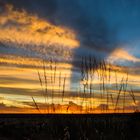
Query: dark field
(70,127)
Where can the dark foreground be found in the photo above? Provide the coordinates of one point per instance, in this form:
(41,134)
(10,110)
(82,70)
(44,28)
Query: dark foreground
(70,127)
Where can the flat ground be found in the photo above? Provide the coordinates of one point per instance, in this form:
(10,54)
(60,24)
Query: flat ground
(70,127)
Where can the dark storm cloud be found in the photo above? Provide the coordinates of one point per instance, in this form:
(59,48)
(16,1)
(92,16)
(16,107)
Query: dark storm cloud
(100,24)
(91,26)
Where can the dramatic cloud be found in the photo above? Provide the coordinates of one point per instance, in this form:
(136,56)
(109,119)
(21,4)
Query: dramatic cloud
(99,24)
(92,30)
(23,28)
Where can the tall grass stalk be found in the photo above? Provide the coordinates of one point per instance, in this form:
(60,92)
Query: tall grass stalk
(37,107)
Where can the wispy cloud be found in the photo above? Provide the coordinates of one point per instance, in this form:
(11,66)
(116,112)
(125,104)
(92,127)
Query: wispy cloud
(121,55)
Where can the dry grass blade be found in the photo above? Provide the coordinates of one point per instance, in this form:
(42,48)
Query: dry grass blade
(54,72)
(36,105)
(112,100)
(109,70)
(41,83)
(116,79)
(133,96)
(40,80)
(134,100)
(45,79)
(120,90)
(59,81)
(64,84)
(125,88)
(107,101)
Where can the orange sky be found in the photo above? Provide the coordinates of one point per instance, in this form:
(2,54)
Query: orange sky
(20,75)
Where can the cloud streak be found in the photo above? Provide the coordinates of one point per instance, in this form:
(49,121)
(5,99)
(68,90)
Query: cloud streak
(121,54)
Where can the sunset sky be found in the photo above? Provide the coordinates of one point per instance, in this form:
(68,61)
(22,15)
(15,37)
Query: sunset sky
(57,34)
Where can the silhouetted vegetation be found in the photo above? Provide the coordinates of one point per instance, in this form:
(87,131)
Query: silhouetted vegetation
(70,127)
(99,80)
